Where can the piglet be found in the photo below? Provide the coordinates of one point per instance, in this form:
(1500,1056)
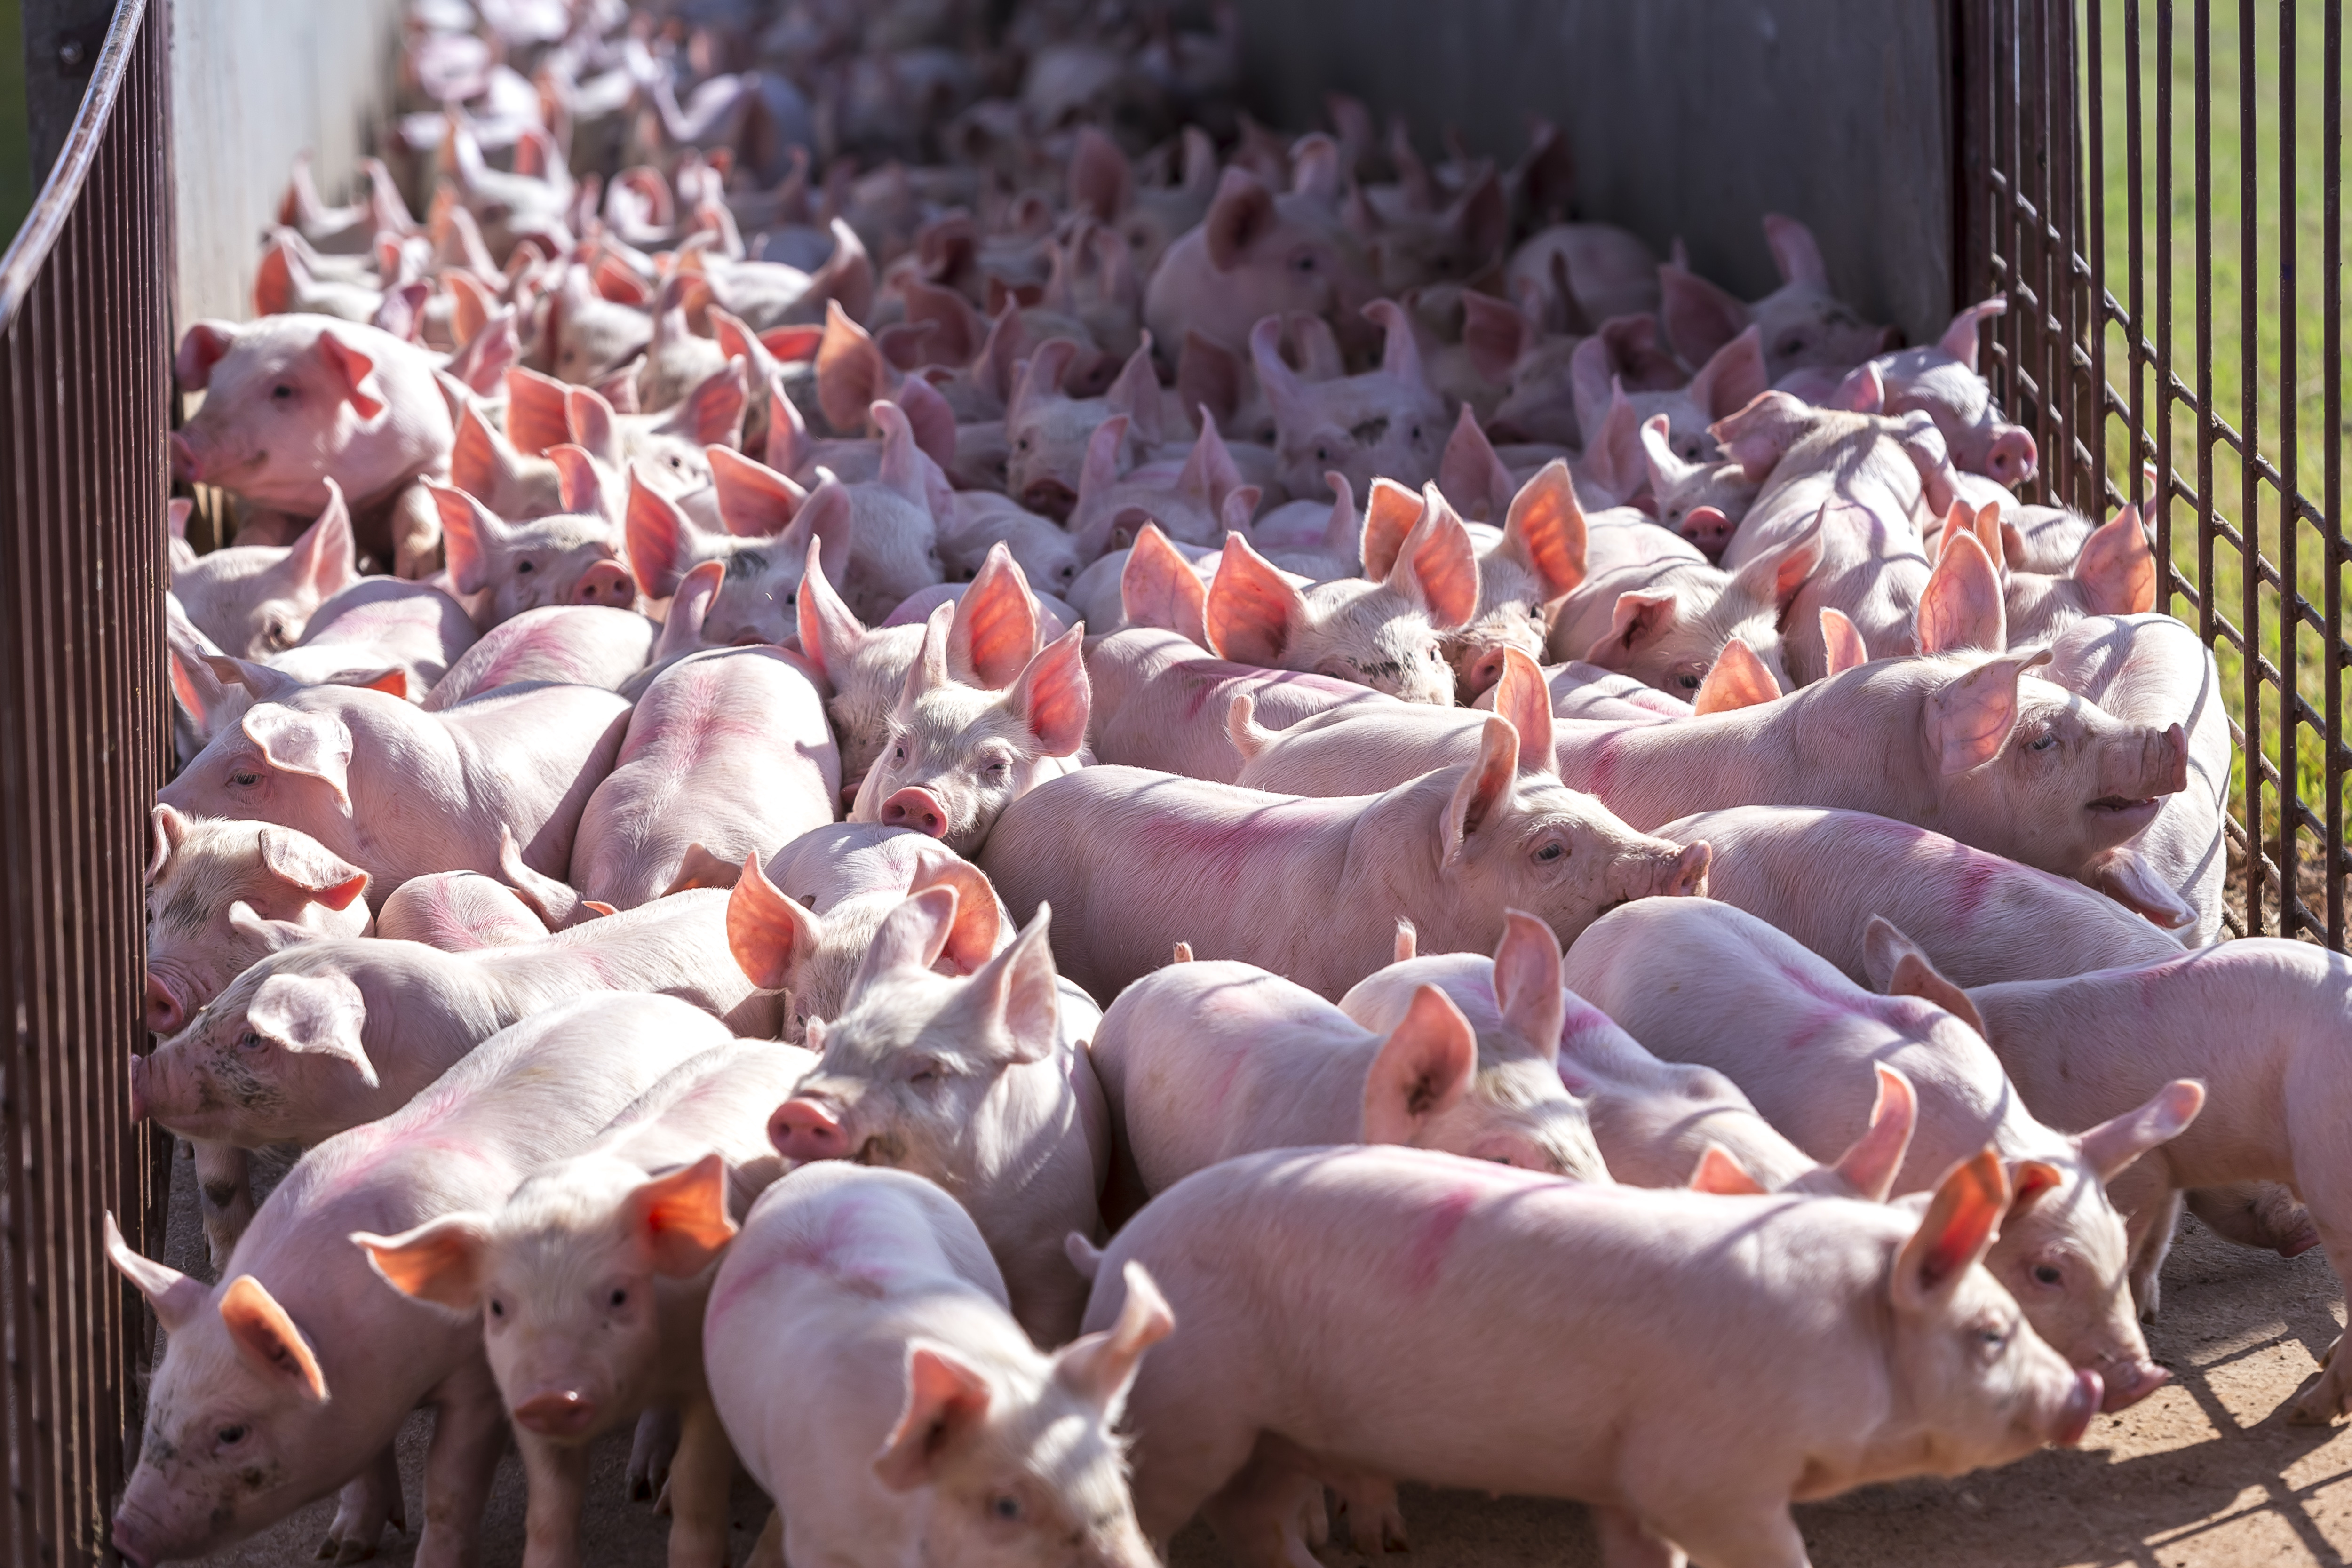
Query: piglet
(458,912)
(1161,701)
(1387,423)
(1802,322)
(507,568)
(254,600)
(569,645)
(1257,254)
(1943,381)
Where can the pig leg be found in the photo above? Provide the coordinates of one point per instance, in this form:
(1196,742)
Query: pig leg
(2261,1215)
(1723,1533)
(1626,1543)
(1375,1522)
(2148,1230)
(556,1478)
(1207,1449)
(650,1454)
(362,1508)
(1264,1514)
(469,1430)
(698,1482)
(768,1552)
(224,1197)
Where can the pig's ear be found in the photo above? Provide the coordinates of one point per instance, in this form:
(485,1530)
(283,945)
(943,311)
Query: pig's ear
(1472,477)
(830,632)
(767,933)
(308,745)
(827,514)
(1699,318)
(929,670)
(202,346)
(1135,393)
(1775,576)
(912,936)
(1546,529)
(1733,377)
(2116,568)
(1960,340)
(1485,788)
(322,557)
(661,539)
(680,1219)
(273,936)
(2112,1145)
(1439,566)
(1157,588)
(995,632)
(260,1328)
(1423,1070)
(971,939)
(1251,613)
(788,445)
(1528,983)
(1844,640)
(168,830)
(1795,252)
(1101,1367)
(1869,1166)
(1391,510)
(265,684)
(1016,992)
(1962,1221)
(1208,375)
(353,373)
(754,501)
(1962,606)
(196,682)
(1637,618)
(1496,333)
(2123,875)
(1101,181)
(440,1262)
(537,417)
(1720,1173)
(947,1403)
(1399,355)
(173,1294)
(929,420)
(1241,212)
(308,866)
(1736,680)
(1053,697)
(314,1014)
(1524,697)
(681,633)
(591,424)
(1924,445)
(1863,391)
(1900,967)
(850,371)
(712,414)
(1098,470)
(481,459)
(1969,719)
(1759,435)
(469,532)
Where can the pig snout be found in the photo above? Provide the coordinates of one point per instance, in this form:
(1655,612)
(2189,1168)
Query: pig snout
(127,1544)
(2012,457)
(915,807)
(559,1413)
(187,469)
(1049,498)
(2128,1383)
(165,1013)
(605,582)
(2074,1415)
(801,1129)
(1709,528)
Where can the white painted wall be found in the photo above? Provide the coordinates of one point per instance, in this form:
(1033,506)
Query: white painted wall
(253,82)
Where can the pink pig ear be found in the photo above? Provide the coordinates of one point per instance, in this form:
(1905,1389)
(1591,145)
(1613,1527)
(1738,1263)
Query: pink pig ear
(1545,528)
(1733,377)
(1897,966)
(1524,697)
(1157,588)
(2112,1145)
(1528,983)
(1101,180)
(308,867)
(1960,339)
(440,1261)
(1240,214)
(831,634)
(590,423)
(1421,1072)
(202,346)
(1439,566)
(912,936)
(993,633)
(175,1298)
(1795,252)
(1101,1367)
(1013,1010)
(267,1336)
(1863,391)
(1720,1173)
(947,1403)
(1842,639)
(978,919)
(1251,612)
(2116,568)
(1699,318)
(1485,788)
(537,417)
(469,531)
(1961,607)
(689,607)
(305,745)
(1869,1166)
(1391,510)
(1960,1225)
(1968,721)
(353,371)
(1472,477)
(322,556)
(1637,618)
(1761,434)
(1736,680)
(680,1219)
(1053,697)
(768,934)
(851,373)
(754,501)
(314,1014)
(660,537)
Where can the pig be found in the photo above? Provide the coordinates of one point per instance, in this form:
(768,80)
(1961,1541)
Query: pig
(588,1286)
(1804,457)
(827,865)
(1161,703)
(1046,554)
(1388,635)
(955,755)
(671,449)
(1448,851)
(1514,351)
(1702,501)
(1802,322)
(399,792)
(1724,383)
(1872,1334)
(1609,270)
(1198,504)
(1206,1060)
(1965,744)
(457,911)
(971,1082)
(291,402)
(504,569)
(386,623)
(1943,381)
(2114,574)
(864,1365)
(1385,424)
(254,600)
(1050,433)
(295,1375)
(728,749)
(1257,254)
(587,336)
(2252,1020)
(569,645)
(510,484)
(1716,986)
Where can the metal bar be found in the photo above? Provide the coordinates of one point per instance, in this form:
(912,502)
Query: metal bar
(2090,407)
(2249,322)
(2134,218)
(2164,376)
(2332,489)
(2287,853)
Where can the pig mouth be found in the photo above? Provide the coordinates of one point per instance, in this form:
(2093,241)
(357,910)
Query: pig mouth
(1049,498)
(2124,808)
(873,1151)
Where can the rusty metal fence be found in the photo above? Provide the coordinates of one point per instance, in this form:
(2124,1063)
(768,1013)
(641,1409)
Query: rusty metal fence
(85,379)
(2157,184)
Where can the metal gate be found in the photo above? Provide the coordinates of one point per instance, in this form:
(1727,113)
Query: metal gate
(2151,324)
(85,382)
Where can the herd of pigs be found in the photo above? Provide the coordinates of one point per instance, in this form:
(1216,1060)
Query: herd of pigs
(1054,815)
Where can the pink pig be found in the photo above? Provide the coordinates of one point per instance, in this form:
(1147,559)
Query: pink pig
(1387,423)
(458,912)
(1943,380)
(1802,322)
(570,645)
(506,569)
(1161,701)
(254,600)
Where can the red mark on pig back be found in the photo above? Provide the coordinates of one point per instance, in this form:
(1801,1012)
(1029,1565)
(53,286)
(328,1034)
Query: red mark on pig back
(1970,883)
(1433,1238)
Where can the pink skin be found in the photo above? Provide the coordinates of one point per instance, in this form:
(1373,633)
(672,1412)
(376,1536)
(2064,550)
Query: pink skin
(588,1286)
(1724,383)
(1161,702)
(1964,744)
(1320,1294)
(869,1373)
(1448,851)
(1587,691)
(1050,434)
(589,335)
(505,569)
(1610,270)
(1802,322)
(1804,458)
(2151,669)
(972,1083)
(1538,561)
(380,622)
(511,484)
(399,792)
(1712,984)
(2260,1023)
(1873,572)
(458,912)
(315,1364)
(572,645)
(254,600)
(1820,876)
(727,749)
(1047,554)
(1193,504)
(826,866)
(1387,423)
(1702,501)
(2112,573)
(1665,618)
(1942,380)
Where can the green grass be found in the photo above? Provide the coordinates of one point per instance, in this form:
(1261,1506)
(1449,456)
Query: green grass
(2288,308)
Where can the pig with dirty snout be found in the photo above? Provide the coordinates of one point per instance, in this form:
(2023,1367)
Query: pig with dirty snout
(1868,1342)
(866,1369)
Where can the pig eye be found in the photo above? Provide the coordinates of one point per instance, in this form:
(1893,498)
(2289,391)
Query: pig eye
(1004,1506)
(2043,743)
(249,1040)
(1994,1338)
(281,393)
(245,779)
(2046,1274)
(618,1299)
(230,1435)
(1021,445)
(1303,262)
(497,1308)
(1794,343)
(898,754)
(1689,681)
(1552,850)
(523,568)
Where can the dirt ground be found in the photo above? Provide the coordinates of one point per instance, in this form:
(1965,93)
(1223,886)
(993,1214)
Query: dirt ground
(2203,1474)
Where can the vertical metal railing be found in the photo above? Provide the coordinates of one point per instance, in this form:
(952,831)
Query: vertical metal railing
(85,379)
(2071,201)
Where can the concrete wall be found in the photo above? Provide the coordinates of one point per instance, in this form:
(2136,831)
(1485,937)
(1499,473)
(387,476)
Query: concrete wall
(1687,117)
(253,82)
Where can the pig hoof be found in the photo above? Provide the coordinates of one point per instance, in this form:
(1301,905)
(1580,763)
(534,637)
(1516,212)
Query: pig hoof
(2311,1410)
